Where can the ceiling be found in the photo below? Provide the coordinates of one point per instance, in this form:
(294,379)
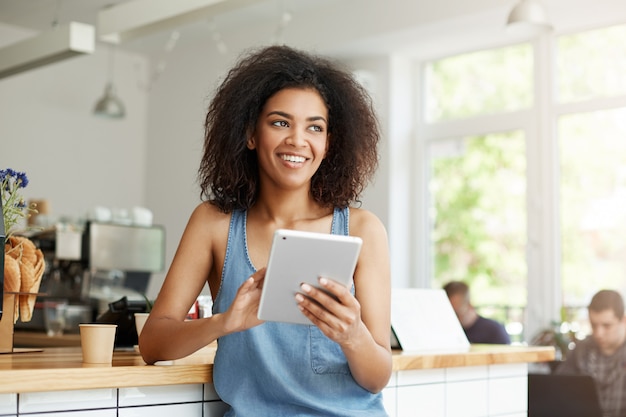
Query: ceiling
(346,26)
(42,15)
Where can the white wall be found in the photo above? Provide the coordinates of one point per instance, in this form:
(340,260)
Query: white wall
(72,158)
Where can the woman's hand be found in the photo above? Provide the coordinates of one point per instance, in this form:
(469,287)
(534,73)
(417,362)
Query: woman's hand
(242,314)
(334,310)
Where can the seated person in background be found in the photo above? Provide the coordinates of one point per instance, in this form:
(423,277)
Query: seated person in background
(603,354)
(478,329)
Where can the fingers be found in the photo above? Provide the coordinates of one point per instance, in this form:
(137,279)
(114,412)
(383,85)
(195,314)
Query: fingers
(332,303)
(328,293)
(242,314)
(255,281)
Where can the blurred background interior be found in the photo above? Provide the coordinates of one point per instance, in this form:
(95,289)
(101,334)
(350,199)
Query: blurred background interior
(503,162)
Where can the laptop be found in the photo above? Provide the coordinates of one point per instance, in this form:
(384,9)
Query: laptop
(423,320)
(552,395)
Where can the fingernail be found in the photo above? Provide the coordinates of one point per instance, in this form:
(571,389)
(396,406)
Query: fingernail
(323,281)
(299,298)
(305,287)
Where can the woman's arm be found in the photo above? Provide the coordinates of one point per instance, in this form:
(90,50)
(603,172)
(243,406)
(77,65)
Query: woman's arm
(166,334)
(361,325)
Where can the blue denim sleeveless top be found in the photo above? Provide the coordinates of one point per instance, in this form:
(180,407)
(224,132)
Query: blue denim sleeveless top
(281,369)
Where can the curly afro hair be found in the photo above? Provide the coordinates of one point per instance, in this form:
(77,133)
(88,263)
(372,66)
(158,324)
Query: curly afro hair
(228,173)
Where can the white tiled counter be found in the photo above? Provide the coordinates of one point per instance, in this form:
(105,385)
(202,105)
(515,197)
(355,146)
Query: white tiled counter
(487,381)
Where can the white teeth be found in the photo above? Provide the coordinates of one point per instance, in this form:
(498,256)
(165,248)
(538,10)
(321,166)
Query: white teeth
(293,158)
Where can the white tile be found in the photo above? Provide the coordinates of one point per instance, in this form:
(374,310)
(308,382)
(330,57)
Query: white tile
(67,400)
(186,410)
(467,398)
(421,400)
(215,409)
(164,394)
(420,376)
(508,369)
(8,403)
(467,373)
(508,395)
(111,412)
(390,400)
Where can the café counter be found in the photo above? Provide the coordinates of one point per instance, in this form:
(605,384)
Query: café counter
(486,380)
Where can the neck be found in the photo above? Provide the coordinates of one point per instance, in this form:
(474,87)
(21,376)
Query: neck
(287,210)
(469,319)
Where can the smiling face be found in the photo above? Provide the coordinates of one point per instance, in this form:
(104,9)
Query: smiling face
(291,137)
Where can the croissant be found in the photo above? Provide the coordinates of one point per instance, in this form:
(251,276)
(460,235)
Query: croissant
(24,248)
(24,267)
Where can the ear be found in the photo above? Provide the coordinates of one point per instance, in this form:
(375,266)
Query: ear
(251,143)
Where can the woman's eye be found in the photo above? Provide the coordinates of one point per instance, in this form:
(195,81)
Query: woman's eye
(280,123)
(317,128)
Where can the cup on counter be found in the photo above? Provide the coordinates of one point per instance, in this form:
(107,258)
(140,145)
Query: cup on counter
(140,320)
(54,316)
(97,341)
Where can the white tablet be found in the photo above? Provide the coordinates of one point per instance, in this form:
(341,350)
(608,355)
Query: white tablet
(297,257)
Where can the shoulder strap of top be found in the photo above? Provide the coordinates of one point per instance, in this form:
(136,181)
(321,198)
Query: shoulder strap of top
(341,221)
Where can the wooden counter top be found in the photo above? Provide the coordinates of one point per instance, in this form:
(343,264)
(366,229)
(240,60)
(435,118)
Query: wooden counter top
(61,368)
(475,356)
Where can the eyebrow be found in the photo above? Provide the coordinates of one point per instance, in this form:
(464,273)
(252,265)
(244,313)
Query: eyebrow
(289,116)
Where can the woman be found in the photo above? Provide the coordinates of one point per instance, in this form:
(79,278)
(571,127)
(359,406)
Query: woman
(291,141)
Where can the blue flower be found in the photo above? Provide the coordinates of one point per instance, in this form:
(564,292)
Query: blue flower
(14,207)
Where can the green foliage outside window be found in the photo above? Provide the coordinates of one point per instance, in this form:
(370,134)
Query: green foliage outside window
(479,218)
(479,83)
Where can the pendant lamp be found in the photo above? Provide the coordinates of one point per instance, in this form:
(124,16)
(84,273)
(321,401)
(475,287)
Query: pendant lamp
(109,105)
(528,18)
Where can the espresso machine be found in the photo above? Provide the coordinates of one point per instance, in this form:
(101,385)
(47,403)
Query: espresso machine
(95,266)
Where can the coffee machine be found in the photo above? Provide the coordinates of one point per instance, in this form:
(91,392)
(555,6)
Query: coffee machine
(94,265)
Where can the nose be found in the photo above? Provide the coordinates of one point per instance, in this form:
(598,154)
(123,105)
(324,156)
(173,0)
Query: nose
(295,138)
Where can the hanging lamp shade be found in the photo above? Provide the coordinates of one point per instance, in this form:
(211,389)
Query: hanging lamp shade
(528,18)
(109,105)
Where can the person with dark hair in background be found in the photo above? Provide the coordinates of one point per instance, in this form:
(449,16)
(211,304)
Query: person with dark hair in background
(478,329)
(603,354)
(290,142)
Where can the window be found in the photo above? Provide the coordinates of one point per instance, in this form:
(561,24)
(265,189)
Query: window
(478,217)
(592,64)
(477,183)
(593,203)
(479,83)
(592,152)
(486,189)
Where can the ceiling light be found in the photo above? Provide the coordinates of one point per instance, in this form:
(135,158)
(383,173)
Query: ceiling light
(137,18)
(109,105)
(528,18)
(62,42)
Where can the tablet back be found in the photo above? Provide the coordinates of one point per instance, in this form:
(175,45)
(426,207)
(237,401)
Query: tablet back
(297,257)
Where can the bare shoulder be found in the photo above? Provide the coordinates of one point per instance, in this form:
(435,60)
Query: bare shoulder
(206,215)
(366,224)
(207,226)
